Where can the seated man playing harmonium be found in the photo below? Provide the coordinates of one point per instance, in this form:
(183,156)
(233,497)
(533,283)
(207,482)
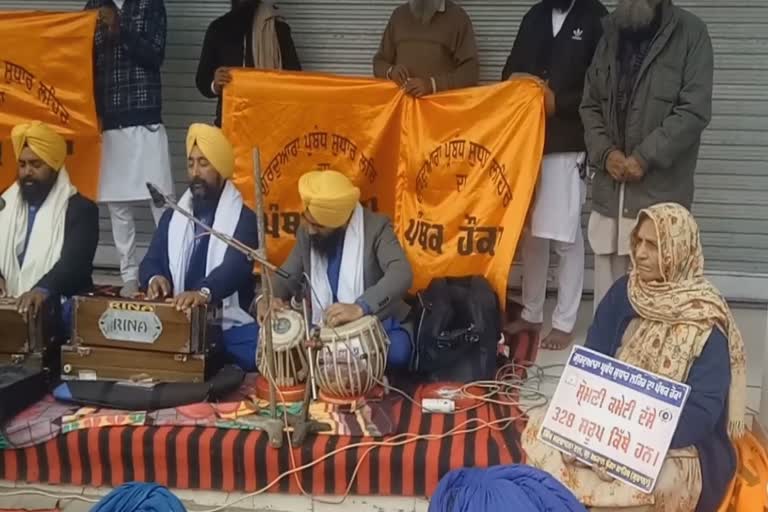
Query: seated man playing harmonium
(48,231)
(356,265)
(196,269)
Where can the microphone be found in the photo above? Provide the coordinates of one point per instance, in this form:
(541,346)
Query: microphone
(158,199)
(2,204)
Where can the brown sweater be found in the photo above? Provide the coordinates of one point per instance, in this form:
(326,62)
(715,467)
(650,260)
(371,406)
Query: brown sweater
(445,49)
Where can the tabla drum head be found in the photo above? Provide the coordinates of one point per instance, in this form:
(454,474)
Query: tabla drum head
(287,330)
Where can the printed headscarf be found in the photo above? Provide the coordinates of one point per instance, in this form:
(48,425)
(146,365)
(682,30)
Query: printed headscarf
(679,312)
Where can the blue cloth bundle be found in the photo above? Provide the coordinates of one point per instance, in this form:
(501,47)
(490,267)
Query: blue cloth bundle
(517,487)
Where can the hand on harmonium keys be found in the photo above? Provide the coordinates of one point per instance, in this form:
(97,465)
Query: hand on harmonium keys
(30,304)
(340,314)
(186,301)
(159,288)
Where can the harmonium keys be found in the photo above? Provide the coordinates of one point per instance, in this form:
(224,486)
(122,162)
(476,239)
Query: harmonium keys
(22,342)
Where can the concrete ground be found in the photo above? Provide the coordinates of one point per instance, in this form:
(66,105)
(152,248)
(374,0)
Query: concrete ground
(751,320)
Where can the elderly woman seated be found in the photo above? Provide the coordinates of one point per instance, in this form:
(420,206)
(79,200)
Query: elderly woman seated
(666,318)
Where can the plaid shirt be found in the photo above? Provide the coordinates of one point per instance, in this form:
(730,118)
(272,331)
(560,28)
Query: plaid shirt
(127,64)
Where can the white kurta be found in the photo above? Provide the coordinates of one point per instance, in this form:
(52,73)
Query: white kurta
(560,194)
(608,235)
(130,158)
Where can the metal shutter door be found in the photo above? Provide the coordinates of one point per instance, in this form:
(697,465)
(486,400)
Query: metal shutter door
(341,36)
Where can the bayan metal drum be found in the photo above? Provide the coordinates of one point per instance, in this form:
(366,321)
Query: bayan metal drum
(291,364)
(351,359)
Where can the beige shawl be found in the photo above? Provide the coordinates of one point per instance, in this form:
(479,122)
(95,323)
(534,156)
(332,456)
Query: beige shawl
(678,314)
(266,47)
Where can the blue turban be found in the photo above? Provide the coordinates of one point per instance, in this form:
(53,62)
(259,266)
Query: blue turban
(139,497)
(519,488)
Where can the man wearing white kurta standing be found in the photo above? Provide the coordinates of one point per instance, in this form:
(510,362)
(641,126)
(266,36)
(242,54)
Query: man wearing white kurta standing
(129,50)
(555,43)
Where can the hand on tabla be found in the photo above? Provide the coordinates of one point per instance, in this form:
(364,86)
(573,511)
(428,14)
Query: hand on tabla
(261,308)
(340,314)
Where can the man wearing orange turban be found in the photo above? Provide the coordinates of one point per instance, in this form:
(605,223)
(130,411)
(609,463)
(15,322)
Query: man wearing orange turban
(48,232)
(192,268)
(338,233)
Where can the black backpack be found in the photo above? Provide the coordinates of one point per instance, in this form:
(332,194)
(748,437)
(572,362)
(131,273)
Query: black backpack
(458,330)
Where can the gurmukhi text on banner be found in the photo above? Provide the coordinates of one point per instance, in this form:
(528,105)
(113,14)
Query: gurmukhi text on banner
(455,171)
(46,60)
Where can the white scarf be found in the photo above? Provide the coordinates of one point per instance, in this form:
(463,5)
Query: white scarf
(351,279)
(181,238)
(45,240)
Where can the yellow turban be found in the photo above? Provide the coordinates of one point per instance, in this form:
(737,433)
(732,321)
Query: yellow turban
(214,145)
(329,196)
(44,142)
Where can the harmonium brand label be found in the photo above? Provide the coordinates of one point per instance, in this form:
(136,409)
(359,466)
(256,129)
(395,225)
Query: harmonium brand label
(125,321)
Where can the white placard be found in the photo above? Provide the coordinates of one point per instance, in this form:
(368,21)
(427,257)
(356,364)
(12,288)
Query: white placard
(614,416)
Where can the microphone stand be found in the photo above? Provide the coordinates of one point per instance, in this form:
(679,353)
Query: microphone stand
(301,424)
(272,425)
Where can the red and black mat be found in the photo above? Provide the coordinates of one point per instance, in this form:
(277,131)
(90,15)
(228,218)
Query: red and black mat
(236,460)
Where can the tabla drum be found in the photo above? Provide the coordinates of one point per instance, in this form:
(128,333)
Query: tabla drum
(291,363)
(351,359)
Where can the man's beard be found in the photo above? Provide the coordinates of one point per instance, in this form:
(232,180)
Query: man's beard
(560,5)
(326,244)
(424,10)
(636,15)
(203,195)
(34,191)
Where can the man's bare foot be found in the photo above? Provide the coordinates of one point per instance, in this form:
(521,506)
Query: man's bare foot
(557,340)
(521,325)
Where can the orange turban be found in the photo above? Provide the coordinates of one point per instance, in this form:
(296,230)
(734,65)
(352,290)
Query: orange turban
(214,145)
(44,142)
(329,196)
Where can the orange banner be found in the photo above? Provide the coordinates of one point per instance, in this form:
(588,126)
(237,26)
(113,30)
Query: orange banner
(455,171)
(47,65)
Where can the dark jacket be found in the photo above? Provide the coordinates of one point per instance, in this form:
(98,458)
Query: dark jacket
(387,274)
(669,108)
(563,60)
(233,275)
(72,274)
(223,46)
(127,65)
(704,419)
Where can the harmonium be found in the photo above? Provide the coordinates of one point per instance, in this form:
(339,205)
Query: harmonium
(139,341)
(27,343)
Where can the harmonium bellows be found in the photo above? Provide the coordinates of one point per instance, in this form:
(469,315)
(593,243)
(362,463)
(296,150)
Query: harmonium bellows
(138,340)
